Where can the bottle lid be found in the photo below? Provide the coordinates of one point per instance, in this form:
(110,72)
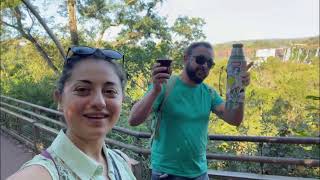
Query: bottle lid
(237,52)
(237,45)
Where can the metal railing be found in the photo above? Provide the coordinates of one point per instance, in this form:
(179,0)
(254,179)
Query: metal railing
(26,115)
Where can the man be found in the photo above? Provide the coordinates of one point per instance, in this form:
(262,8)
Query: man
(180,150)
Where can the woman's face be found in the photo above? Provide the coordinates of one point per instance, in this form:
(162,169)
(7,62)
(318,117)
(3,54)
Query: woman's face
(91,99)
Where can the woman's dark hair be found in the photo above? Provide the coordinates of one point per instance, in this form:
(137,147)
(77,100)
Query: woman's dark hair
(188,50)
(73,60)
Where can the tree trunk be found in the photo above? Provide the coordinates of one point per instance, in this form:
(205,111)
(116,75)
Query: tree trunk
(73,22)
(41,51)
(42,22)
(17,14)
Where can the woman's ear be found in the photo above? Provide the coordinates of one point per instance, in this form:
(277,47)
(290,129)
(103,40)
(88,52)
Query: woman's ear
(185,58)
(57,98)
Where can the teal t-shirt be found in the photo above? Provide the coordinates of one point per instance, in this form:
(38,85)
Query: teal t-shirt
(180,148)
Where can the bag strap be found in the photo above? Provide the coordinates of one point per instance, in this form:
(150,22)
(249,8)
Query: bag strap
(122,155)
(117,172)
(170,85)
(47,155)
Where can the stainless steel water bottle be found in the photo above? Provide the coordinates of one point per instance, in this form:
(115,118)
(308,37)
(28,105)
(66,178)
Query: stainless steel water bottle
(236,66)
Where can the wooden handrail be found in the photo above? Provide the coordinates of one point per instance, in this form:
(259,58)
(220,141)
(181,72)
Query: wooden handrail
(210,156)
(17,115)
(35,114)
(33,105)
(267,139)
(47,129)
(133,148)
(262,139)
(216,174)
(265,159)
(136,134)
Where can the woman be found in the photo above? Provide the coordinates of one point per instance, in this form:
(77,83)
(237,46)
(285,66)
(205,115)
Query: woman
(90,93)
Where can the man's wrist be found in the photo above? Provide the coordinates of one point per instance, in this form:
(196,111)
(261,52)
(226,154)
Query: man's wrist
(154,93)
(242,95)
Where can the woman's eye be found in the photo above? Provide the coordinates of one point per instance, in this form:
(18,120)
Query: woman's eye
(110,92)
(82,91)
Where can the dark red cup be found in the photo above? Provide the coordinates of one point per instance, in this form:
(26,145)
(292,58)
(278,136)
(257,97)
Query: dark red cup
(164,63)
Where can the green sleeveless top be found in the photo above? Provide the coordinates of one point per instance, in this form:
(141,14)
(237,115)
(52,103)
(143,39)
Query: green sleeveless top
(73,164)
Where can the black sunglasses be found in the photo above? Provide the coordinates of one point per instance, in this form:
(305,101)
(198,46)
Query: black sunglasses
(202,59)
(87,51)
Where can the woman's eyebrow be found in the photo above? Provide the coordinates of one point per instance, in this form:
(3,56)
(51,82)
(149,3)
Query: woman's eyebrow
(109,83)
(85,81)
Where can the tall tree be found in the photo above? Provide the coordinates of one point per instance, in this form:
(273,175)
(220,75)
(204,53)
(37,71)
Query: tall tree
(73,22)
(24,32)
(43,23)
(143,34)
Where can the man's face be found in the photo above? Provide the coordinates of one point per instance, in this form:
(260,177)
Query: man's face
(199,63)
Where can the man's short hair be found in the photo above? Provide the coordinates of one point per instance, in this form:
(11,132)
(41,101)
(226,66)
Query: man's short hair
(188,50)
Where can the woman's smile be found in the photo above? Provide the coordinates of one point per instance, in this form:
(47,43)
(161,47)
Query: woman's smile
(96,119)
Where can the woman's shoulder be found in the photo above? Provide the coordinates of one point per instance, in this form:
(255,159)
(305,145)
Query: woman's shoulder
(116,153)
(34,172)
(122,161)
(37,168)
(122,156)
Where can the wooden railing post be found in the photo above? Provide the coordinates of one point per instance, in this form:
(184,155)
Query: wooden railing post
(16,124)
(261,154)
(137,141)
(4,119)
(136,169)
(36,138)
(19,128)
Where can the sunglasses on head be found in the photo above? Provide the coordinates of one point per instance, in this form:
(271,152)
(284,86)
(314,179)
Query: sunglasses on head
(84,51)
(202,59)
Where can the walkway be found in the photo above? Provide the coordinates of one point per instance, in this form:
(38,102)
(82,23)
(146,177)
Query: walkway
(13,155)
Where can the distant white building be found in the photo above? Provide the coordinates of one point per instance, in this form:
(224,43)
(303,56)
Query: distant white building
(263,54)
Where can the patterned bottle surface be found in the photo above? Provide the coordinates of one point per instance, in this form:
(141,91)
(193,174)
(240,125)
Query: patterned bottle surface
(236,66)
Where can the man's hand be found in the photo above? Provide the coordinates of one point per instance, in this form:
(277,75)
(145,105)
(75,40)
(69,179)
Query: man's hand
(159,76)
(141,110)
(245,77)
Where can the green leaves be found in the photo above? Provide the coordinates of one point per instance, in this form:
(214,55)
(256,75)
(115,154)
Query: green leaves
(9,4)
(190,29)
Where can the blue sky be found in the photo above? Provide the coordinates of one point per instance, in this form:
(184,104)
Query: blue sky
(233,20)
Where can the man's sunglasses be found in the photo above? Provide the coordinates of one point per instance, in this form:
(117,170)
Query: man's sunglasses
(202,59)
(87,51)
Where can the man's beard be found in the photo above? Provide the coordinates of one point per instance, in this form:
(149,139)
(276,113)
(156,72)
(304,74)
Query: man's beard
(192,75)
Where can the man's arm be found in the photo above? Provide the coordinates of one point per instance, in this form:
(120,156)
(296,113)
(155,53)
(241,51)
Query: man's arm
(141,110)
(231,116)
(234,116)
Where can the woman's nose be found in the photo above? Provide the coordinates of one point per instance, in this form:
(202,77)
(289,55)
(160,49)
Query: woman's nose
(99,101)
